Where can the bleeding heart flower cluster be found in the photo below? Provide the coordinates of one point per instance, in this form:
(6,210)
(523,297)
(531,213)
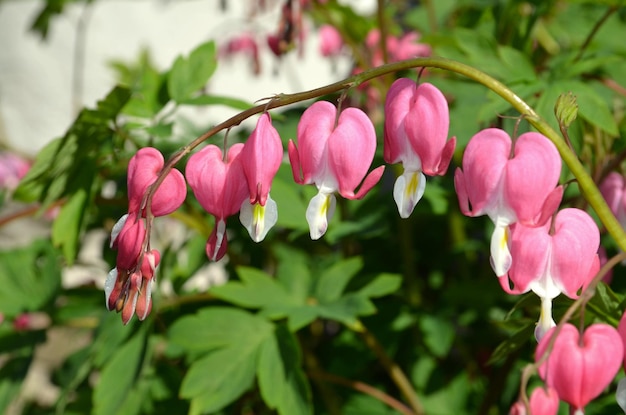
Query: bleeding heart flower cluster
(333,150)
(532,245)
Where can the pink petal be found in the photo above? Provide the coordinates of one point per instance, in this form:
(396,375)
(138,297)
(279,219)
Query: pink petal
(530,249)
(575,250)
(217,245)
(484,160)
(143,169)
(579,371)
(261,157)
(219,186)
(351,149)
(294,160)
(612,189)
(314,129)
(397,106)
(129,243)
(370,181)
(427,126)
(531,175)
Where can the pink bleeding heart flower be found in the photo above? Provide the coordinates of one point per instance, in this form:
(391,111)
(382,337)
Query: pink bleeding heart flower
(553,260)
(220,187)
(612,188)
(416,135)
(509,184)
(128,287)
(12,169)
(261,157)
(331,42)
(579,369)
(543,401)
(143,170)
(334,154)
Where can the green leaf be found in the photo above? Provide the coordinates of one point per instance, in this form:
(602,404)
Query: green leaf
(347,308)
(213,328)
(293,271)
(335,279)
(118,376)
(220,377)
(438,334)
(513,343)
(256,290)
(296,391)
(518,66)
(271,373)
(67,226)
(189,75)
(30,278)
(12,374)
(382,285)
(232,356)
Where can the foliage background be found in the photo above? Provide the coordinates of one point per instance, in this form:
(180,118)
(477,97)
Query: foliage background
(301,326)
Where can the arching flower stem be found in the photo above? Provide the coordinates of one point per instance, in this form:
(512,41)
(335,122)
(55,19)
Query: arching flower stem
(586,183)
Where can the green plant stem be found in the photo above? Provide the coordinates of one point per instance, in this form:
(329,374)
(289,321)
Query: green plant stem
(363,388)
(586,183)
(392,368)
(594,31)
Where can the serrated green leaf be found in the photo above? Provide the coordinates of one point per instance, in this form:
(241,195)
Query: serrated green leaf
(519,68)
(188,75)
(382,285)
(67,226)
(334,280)
(296,392)
(29,278)
(118,376)
(256,290)
(293,271)
(438,334)
(215,327)
(12,374)
(219,378)
(271,373)
(232,367)
(347,309)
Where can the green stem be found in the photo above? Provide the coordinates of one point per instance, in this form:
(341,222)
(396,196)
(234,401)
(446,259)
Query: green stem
(595,30)
(393,369)
(586,183)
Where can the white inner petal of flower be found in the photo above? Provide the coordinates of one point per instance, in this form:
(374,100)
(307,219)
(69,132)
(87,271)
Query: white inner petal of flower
(319,212)
(408,190)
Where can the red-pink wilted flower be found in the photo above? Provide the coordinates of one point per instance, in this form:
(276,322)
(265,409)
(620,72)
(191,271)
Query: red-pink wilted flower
(549,260)
(509,183)
(416,134)
(331,42)
(579,369)
(398,48)
(335,154)
(260,157)
(543,401)
(12,169)
(220,187)
(244,44)
(612,188)
(128,287)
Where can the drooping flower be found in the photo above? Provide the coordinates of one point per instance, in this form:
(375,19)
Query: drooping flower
(549,260)
(260,157)
(612,188)
(334,154)
(331,42)
(509,183)
(243,44)
(543,401)
(220,187)
(12,169)
(579,369)
(128,287)
(416,135)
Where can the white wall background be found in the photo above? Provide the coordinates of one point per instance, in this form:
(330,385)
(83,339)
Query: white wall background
(36,103)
